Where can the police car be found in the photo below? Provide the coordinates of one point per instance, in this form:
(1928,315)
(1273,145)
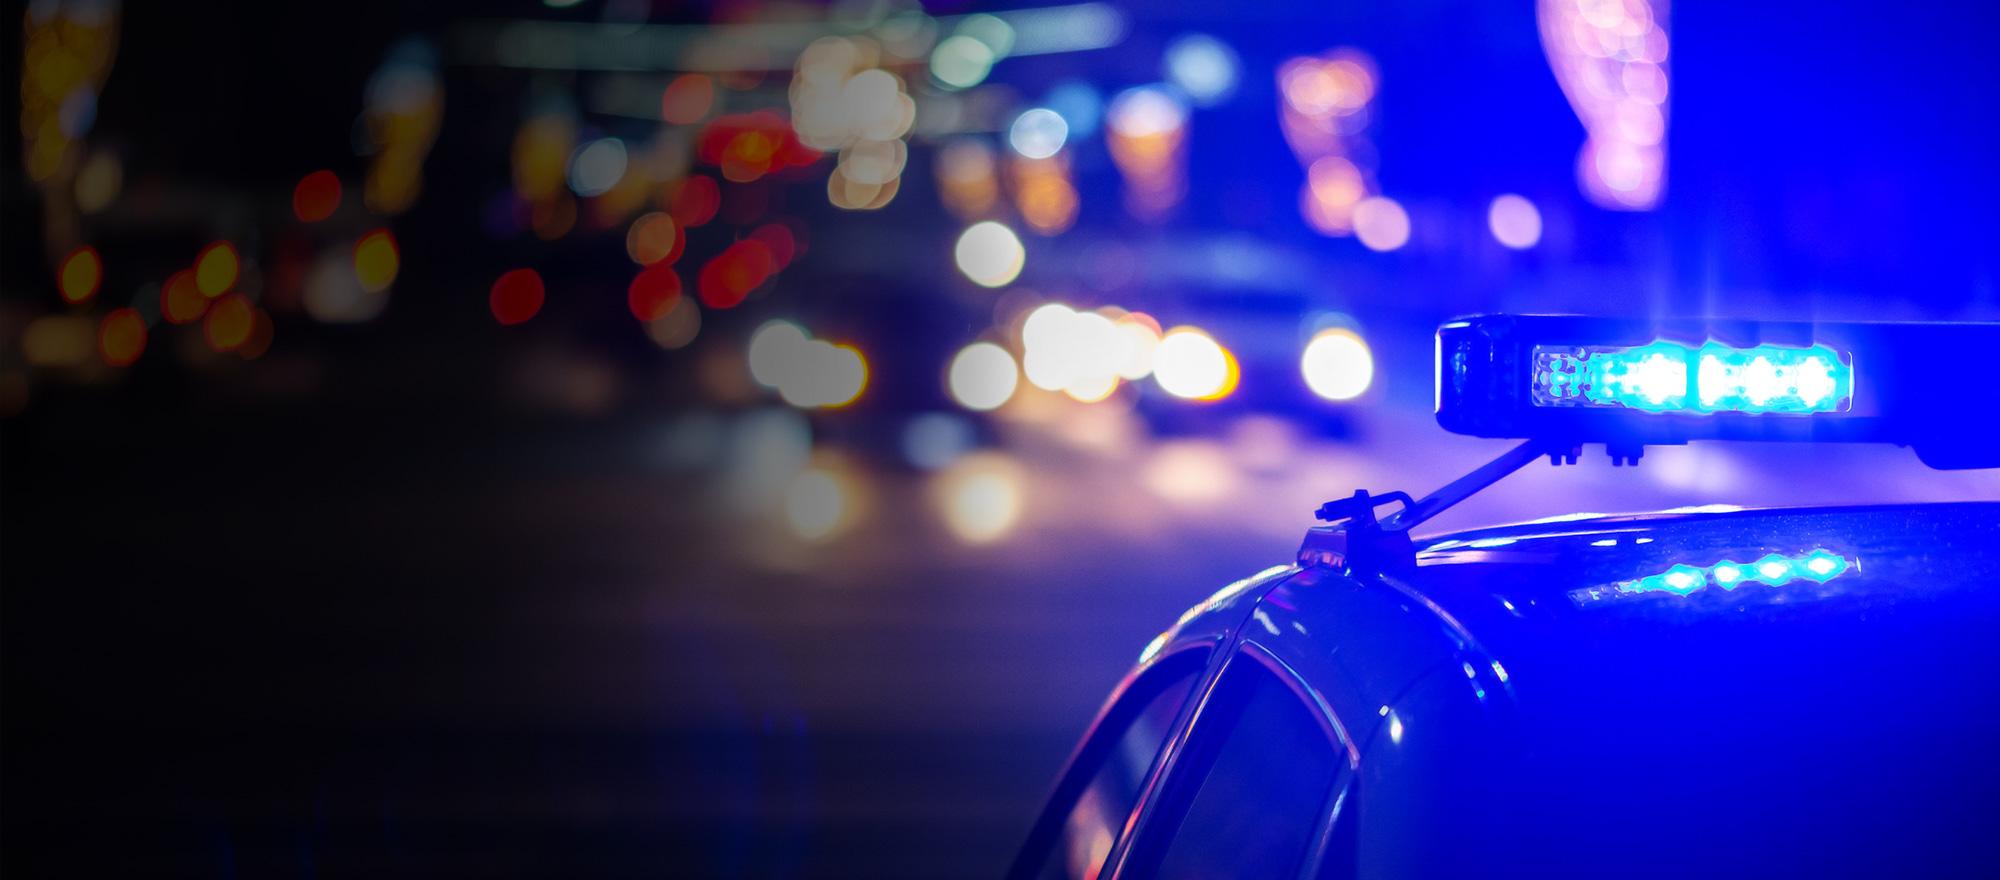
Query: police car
(1749,693)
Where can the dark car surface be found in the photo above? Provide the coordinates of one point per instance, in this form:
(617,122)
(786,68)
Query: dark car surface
(1733,693)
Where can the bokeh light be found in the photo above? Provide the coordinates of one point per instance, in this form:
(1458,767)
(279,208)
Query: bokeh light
(229,323)
(806,372)
(80,275)
(516,296)
(316,197)
(100,181)
(933,440)
(694,200)
(1190,364)
(1514,222)
(1611,61)
(728,278)
(990,254)
(1381,224)
(215,270)
(376,261)
(961,62)
(597,166)
(1204,68)
(688,99)
(654,238)
(181,301)
(653,292)
(818,504)
(982,497)
(678,327)
(1337,364)
(982,377)
(121,337)
(1038,133)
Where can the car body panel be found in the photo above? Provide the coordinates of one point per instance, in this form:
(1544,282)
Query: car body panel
(1509,709)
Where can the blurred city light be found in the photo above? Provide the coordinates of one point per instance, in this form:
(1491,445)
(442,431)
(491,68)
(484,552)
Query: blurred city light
(1324,117)
(967,177)
(1611,60)
(316,197)
(1514,221)
(817,504)
(216,268)
(597,166)
(654,238)
(678,327)
(1204,67)
(990,254)
(933,440)
(1381,224)
(100,181)
(516,296)
(1147,134)
(1190,364)
(229,323)
(806,372)
(1079,105)
(333,291)
(1337,364)
(982,376)
(181,301)
(80,275)
(376,261)
(653,292)
(688,99)
(1038,133)
(121,337)
(981,496)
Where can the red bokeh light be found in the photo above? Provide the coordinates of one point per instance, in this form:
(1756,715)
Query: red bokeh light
(779,238)
(516,296)
(730,277)
(653,292)
(316,197)
(694,200)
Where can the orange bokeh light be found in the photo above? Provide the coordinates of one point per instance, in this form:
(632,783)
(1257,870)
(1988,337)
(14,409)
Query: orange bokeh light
(121,337)
(516,296)
(654,238)
(688,98)
(653,292)
(82,273)
(215,270)
(316,197)
(229,323)
(181,301)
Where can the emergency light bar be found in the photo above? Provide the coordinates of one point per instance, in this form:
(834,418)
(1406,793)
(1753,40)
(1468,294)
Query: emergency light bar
(1934,387)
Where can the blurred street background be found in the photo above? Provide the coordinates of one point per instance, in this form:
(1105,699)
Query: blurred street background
(748,439)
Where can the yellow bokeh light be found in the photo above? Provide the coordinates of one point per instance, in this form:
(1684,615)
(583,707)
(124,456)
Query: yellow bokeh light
(376,261)
(215,271)
(81,274)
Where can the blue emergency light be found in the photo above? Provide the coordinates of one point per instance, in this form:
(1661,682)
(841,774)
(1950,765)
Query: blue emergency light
(1633,383)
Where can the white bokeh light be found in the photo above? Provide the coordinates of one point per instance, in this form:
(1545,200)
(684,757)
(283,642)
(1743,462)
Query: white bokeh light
(982,377)
(990,254)
(1337,364)
(1189,364)
(1381,223)
(1038,133)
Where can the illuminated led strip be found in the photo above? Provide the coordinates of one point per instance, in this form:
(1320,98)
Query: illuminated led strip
(1670,377)
(1818,566)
